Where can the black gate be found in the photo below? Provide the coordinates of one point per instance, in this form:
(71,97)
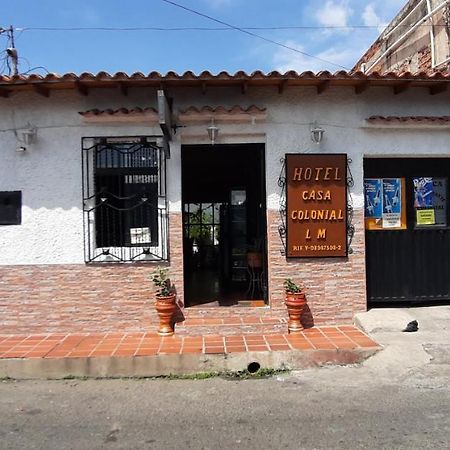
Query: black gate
(411,264)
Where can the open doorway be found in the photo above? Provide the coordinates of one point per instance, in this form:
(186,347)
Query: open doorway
(224,225)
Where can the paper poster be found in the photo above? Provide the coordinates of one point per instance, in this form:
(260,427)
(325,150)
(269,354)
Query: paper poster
(425,217)
(373,198)
(440,200)
(384,203)
(140,235)
(423,192)
(392,204)
(430,200)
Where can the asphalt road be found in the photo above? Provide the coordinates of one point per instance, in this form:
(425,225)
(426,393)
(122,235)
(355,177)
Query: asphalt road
(375,406)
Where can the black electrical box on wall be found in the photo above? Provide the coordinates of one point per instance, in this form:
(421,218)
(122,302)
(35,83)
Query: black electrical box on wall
(11,208)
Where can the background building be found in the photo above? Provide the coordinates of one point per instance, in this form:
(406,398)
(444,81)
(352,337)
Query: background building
(416,40)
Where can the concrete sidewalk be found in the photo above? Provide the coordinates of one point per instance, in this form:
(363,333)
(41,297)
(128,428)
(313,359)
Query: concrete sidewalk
(430,344)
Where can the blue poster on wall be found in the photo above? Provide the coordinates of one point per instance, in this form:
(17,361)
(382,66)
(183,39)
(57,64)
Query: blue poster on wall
(423,192)
(391,192)
(392,203)
(373,198)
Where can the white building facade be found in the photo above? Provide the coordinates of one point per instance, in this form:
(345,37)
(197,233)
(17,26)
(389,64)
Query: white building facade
(388,127)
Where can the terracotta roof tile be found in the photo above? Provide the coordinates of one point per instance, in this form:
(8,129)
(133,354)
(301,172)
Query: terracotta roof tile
(410,119)
(436,81)
(206,75)
(253,109)
(119,111)
(120,115)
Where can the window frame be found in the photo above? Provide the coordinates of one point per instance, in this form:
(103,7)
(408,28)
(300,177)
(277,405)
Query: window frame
(123,250)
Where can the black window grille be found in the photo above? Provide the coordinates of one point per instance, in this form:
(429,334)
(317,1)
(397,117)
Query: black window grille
(124,200)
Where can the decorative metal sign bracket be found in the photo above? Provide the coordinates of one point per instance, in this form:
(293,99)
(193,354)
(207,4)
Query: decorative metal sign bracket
(282,210)
(350,226)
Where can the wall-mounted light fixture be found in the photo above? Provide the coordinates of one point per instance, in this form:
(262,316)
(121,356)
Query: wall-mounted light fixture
(25,137)
(213,132)
(317,133)
(28,135)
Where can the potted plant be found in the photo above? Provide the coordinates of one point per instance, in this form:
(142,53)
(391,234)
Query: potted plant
(165,300)
(295,303)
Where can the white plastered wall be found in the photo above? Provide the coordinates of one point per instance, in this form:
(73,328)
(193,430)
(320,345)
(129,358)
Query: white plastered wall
(49,172)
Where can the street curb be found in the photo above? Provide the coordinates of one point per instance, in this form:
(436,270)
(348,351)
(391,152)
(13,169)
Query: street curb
(169,364)
(360,324)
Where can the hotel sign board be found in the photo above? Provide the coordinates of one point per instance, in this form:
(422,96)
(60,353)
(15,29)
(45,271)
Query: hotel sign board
(316,205)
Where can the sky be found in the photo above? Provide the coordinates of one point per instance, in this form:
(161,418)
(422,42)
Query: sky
(63,51)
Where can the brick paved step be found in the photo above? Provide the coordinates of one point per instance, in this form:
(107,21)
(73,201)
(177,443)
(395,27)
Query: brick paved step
(194,325)
(131,344)
(231,326)
(147,344)
(147,354)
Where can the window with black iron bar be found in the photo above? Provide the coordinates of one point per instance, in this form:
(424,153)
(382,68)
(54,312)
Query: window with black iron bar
(124,200)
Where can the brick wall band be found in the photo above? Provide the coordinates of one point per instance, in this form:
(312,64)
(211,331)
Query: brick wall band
(85,297)
(335,287)
(112,297)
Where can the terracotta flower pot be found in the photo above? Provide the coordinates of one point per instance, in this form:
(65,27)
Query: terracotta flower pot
(295,303)
(165,307)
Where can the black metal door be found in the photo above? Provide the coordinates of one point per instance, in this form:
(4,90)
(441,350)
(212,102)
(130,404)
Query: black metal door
(410,265)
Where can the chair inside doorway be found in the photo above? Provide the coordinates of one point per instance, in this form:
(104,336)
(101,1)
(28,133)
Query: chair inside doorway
(224,225)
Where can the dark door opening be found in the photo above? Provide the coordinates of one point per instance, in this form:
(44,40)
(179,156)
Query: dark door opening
(410,265)
(224,225)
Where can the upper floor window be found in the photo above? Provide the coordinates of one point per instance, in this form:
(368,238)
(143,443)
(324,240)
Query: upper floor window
(125,213)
